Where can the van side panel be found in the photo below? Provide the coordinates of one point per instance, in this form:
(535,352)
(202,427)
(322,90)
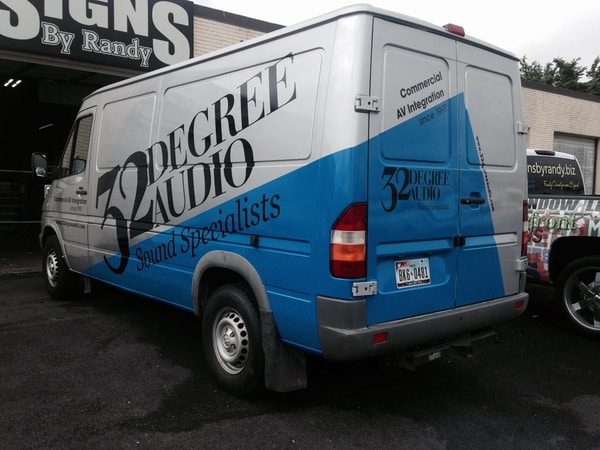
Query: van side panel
(126,126)
(234,156)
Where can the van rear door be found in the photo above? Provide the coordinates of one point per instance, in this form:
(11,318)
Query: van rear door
(413,173)
(492,175)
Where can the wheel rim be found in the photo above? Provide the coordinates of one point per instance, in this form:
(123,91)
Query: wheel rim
(582,297)
(52,268)
(230,340)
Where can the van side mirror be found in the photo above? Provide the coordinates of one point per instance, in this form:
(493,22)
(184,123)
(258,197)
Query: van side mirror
(39,165)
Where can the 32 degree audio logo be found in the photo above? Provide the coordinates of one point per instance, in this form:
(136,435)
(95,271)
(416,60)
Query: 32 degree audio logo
(195,162)
(403,184)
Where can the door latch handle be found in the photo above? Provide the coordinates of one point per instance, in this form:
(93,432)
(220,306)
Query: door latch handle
(459,240)
(472,200)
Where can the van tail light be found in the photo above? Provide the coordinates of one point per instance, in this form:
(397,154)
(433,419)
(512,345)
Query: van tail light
(519,304)
(525,237)
(348,248)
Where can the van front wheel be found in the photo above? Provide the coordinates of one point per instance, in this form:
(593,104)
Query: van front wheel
(231,340)
(60,281)
(578,290)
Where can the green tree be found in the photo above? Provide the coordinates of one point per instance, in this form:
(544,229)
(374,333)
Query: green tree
(531,72)
(567,74)
(549,75)
(562,73)
(593,85)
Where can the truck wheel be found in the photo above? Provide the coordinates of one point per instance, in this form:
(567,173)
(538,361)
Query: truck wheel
(231,340)
(578,289)
(60,281)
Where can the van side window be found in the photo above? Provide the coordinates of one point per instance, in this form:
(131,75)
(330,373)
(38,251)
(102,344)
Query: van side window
(74,159)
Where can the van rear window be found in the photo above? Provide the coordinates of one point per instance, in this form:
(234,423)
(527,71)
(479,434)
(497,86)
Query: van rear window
(549,175)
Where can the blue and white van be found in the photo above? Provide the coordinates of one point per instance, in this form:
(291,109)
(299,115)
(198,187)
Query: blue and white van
(349,187)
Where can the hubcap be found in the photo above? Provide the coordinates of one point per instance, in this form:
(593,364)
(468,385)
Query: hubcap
(52,268)
(230,340)
(582,297)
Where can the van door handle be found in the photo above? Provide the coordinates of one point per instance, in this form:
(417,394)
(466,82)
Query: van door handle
(81,191)
(472,200)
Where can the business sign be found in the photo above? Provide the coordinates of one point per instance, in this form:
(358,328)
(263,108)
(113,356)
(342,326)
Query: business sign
(134,34)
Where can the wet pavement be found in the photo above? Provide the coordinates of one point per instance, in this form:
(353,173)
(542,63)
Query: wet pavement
(113,370)
(19,249)
(20,261)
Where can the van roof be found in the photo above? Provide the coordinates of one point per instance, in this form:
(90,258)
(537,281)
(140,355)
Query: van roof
(331,16)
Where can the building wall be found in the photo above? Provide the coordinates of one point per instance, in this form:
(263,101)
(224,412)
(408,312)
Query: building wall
(210,35)
(548,113)
(215,29)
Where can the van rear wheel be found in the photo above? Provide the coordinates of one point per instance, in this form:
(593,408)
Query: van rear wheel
(60,281)
(578,290)
(231,340)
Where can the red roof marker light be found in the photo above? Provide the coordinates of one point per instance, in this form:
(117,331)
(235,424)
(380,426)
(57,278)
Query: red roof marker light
(455,29)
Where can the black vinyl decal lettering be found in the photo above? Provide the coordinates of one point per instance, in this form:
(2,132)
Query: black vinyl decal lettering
(197,160)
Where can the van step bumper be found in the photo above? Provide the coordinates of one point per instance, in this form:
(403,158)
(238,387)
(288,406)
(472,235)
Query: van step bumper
(462,345)
(345,336)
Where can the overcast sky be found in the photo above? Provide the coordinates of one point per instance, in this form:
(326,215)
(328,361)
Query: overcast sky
(539,29)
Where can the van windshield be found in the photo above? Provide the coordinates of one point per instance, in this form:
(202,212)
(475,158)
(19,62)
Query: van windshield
(549,175)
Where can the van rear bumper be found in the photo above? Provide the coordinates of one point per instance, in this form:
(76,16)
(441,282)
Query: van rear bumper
(344,334)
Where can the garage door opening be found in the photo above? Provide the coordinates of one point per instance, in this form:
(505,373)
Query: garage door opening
(39,103)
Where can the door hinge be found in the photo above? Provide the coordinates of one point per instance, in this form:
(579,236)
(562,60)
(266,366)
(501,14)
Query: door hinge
(364,288)
(522,264)
(522,128)
(459,241)
(366,103)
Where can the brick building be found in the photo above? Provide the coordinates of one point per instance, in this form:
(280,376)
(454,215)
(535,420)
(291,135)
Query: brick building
(214,29)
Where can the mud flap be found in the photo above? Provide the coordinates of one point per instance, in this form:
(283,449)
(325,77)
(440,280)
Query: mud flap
(285,366)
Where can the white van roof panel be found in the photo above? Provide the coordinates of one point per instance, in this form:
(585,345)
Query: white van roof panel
(336,14)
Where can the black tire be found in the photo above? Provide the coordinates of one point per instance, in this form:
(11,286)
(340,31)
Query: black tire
(61,283)
(231,341)
(578,291)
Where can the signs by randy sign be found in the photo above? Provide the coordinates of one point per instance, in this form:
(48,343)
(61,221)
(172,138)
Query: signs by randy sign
(134,34)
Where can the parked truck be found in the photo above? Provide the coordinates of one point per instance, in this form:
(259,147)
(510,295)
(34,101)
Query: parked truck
(340,187)
(564,236)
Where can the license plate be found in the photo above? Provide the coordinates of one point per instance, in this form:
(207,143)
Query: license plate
(412,272)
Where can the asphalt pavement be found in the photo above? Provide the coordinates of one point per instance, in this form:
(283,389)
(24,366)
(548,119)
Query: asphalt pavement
(112,370)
